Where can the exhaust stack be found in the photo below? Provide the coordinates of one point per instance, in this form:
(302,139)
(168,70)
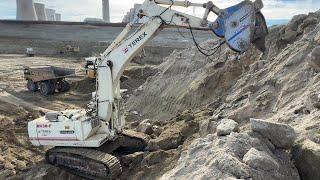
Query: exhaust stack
(40,11)
(26,10)
(106,10)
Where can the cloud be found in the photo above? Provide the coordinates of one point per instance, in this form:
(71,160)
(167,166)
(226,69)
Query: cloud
(77,10)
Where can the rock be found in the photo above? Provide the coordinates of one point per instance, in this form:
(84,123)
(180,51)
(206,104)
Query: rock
(260,160)
(132,160)
(134,124)
(306,156)
(20,165)
(9,166)
(155,157)
(156,130)
(317,37)
(5,174)
(2,159)
(173,136)
(207,126)
(289,35)
(314,59)
(309,21)
(226,126)
(296,21)
(165,141)
(145,127)
(217,157)
(281,135)
(186,116)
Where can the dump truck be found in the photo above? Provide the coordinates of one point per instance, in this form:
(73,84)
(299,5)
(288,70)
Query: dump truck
(47,79)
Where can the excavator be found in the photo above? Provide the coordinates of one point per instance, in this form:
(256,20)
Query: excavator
(88,142)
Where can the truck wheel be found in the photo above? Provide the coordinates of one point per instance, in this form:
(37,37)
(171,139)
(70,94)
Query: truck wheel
(63,86)
(33,87)
(46,88)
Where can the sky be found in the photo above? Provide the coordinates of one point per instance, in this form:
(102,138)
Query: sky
(76,10)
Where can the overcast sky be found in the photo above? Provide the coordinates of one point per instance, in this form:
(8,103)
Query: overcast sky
(77,10)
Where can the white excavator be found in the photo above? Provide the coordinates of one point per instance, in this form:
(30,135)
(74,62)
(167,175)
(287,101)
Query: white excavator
(87,142)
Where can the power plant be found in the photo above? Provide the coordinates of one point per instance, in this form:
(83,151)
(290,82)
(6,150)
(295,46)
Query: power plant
(58,17)
(26,10)
(51,14)
(105,10)
(40,11)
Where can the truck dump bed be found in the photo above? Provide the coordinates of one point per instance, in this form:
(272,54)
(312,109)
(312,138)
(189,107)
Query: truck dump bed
(42,73)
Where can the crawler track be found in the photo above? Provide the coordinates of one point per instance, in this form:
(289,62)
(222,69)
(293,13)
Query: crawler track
(85,162)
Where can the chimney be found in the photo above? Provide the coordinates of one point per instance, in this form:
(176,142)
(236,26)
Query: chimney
(58,17)
(26,10)
(105,10)
(40,11)
(51,14)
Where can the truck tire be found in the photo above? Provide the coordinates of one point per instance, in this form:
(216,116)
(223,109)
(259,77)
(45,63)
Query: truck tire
(33,87)
(46,88)
(63,86)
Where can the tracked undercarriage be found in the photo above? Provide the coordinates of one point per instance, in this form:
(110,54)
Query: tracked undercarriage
(97,163)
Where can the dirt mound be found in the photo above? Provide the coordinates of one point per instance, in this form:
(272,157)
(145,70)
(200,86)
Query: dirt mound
(280,85)
(16,150)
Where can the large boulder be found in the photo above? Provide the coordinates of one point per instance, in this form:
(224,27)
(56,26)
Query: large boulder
(306,156)
(173,136)
(281,135)
(226,126)
(145,127)
(221,157)
(260,160)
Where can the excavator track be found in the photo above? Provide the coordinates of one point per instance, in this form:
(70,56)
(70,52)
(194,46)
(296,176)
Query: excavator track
(85,162)
(97,163)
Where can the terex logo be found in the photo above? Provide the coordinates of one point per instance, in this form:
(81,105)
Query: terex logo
(135,42)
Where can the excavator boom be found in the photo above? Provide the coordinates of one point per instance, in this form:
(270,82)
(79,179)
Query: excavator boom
(83,139)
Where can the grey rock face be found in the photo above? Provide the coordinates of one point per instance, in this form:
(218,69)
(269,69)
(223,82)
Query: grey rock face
(281,135)
(306,156)
(226,126)
(314,61)
(260,160)
(221,157)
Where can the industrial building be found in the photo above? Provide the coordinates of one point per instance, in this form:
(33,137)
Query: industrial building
(26,10)
(40,11)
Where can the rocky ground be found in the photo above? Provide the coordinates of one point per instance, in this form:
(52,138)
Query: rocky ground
(220,117)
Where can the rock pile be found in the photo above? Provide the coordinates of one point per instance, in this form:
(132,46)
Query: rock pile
(244,155)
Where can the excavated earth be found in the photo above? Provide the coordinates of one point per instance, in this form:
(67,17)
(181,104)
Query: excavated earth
(197,112)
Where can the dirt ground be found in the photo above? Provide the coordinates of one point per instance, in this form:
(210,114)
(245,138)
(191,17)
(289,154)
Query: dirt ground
(18,105)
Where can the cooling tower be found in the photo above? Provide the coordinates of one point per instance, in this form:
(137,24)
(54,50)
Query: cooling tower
(58,17)
(105,10)
(51,14)
(40,11)
(26,10)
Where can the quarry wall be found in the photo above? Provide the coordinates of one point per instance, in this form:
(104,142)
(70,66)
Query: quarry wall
(50,38)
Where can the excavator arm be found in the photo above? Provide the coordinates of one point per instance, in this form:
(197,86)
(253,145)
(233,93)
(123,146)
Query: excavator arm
(76,133)
(236,24)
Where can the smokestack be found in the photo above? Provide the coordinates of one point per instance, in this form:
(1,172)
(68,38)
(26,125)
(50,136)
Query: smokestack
(26,10)
(40,11)
(58,17)
(105,10)
(51,14)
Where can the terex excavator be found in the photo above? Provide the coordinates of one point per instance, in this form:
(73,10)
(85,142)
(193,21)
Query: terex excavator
(86,141)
